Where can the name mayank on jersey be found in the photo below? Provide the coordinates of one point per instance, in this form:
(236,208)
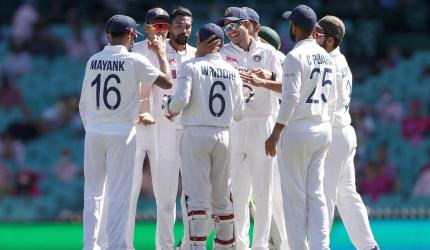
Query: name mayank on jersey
(107,65)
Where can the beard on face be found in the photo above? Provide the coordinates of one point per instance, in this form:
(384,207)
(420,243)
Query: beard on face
(130,46)
(324,44)
(180,39)
(292,35)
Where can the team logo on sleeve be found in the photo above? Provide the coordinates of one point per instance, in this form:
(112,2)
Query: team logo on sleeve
(257,58)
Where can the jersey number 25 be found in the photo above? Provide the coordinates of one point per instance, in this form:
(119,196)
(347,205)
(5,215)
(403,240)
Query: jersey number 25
(324,82)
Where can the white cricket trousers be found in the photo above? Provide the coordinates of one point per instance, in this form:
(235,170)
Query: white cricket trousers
(301,152)
(111,189)
(161,143)
(278,217)
(252,170)
(340,190)
(205,170)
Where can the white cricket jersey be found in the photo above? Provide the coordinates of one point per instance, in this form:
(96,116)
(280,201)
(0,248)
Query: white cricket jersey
(341,116)
(308,84)
(260,55)
(109,100)
(209,92)
(280,56)
(175,59)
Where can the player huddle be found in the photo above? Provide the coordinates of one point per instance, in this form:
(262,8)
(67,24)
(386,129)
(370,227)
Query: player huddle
(240,122)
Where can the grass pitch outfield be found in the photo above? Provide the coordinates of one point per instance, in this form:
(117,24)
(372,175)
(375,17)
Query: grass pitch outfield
(390,234)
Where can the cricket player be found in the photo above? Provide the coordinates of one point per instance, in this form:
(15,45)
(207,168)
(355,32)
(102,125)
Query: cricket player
(278,234)
(339,178)
(304,123)
(108,105)
(165,164)
(252,170)
(210,94)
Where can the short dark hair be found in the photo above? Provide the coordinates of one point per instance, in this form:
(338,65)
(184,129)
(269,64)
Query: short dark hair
(117,34)
(307,31)
(180,11)
(336,42)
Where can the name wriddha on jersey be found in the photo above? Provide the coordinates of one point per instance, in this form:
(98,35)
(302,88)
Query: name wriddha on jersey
(217,72)
(107,65)
(318,59)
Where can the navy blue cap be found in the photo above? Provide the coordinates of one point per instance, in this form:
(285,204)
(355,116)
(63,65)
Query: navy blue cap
(121,23)
(304,16)
(210,29)
(156,13)
(233,14)
(252,14)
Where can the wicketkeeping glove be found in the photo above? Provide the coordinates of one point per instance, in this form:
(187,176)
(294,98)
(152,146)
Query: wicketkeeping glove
(165,107)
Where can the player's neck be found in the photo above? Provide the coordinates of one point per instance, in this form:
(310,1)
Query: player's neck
(301,38)
(177,46)
(246,44)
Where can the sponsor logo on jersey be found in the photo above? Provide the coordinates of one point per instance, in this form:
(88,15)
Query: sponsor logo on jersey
(231,59)
(172,61)
(174,73)
(257,58)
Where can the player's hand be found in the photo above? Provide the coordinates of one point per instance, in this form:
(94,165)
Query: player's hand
(158,45)
(146,119)
(165,107)
(270,144)
(262,73)
(252,79)
(207,46)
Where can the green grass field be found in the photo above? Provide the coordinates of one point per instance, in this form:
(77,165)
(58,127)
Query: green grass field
(390,234)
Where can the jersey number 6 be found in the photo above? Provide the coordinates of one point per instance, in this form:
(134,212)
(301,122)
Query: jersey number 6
(324,82)
(106,91)
(213,96)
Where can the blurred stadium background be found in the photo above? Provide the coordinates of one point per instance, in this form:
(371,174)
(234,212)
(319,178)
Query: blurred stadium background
(43,49)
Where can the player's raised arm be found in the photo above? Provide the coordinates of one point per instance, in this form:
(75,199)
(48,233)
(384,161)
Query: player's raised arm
(147,74)
(183,91)
(158,45)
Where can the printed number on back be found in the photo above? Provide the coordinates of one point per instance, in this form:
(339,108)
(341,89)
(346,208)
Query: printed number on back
(311,98)
(106,91)
(217,97)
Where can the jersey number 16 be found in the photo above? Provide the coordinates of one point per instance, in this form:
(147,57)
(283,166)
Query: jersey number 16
(97,82)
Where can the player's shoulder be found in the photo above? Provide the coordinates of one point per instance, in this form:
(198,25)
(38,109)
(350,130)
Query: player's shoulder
(338,57)
(264,46)
(190,49)
(227,48)
(141,46)
(138,58)
(95,57)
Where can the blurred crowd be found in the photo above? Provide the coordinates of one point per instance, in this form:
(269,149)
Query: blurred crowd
(31,36)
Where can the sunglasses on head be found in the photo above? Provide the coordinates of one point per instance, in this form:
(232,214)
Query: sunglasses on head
(158,26)
(318,35)
(232,26)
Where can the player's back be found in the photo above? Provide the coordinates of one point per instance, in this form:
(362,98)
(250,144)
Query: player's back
(309,75)
(341,116)
(110,91)
(216,96)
